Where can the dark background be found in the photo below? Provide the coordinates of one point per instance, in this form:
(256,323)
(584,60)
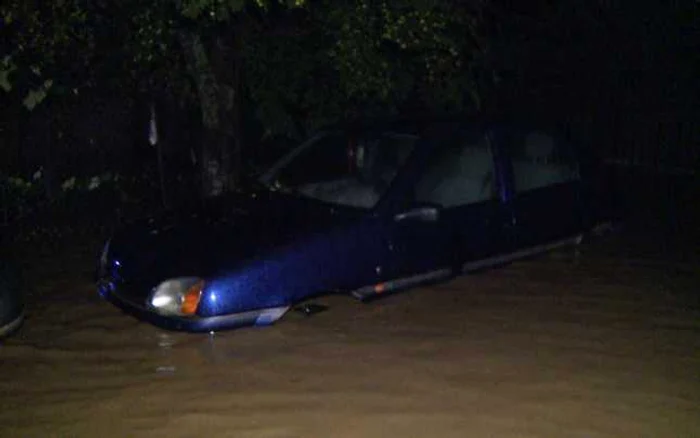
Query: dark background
(621,75)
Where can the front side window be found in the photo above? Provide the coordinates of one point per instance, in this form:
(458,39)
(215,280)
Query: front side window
(539,160)
(340,169)
(461,172)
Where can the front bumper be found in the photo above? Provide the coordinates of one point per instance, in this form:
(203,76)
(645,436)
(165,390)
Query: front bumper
(256,317)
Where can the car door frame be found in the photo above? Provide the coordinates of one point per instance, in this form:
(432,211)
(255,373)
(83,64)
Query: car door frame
(454,259)
(402,269)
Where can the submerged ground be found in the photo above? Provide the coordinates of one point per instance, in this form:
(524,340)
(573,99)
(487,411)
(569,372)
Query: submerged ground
(605,343)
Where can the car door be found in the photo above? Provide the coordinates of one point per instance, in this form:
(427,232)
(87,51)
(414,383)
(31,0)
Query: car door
(409,244)
(546,204)
(460,178)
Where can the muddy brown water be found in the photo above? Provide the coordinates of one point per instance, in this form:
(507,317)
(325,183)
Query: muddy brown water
(605,343)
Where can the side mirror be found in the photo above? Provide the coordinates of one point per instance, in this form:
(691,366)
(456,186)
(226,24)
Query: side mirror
(423,213)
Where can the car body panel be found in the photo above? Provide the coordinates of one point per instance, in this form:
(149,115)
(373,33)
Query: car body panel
(548,205)
(547,214)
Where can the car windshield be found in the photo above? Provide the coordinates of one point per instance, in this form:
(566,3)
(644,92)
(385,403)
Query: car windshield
(340,169)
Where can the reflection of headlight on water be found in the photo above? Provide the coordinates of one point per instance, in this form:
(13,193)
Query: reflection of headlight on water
(177,296)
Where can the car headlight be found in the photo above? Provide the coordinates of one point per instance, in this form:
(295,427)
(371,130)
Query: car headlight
(177,296)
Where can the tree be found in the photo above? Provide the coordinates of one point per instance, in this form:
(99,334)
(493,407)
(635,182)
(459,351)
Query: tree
(370,57)
(299,63)
(41,57)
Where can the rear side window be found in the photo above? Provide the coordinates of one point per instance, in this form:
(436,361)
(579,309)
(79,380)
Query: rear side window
(460,173)
(540,160)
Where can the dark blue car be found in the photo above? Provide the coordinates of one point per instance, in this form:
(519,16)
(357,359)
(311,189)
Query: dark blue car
(362,211)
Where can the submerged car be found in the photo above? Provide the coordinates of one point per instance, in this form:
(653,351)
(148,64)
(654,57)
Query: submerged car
(364,211)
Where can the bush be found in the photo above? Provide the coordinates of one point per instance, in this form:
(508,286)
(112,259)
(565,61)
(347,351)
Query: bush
(85,205)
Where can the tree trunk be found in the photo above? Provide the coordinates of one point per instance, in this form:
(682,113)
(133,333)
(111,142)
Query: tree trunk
(220,161)
(49,171)
(155,139)
(236,108)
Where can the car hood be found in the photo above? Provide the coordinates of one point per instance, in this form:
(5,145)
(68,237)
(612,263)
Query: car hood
(220,234)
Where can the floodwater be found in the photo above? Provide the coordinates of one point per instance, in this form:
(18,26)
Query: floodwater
(605,343)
